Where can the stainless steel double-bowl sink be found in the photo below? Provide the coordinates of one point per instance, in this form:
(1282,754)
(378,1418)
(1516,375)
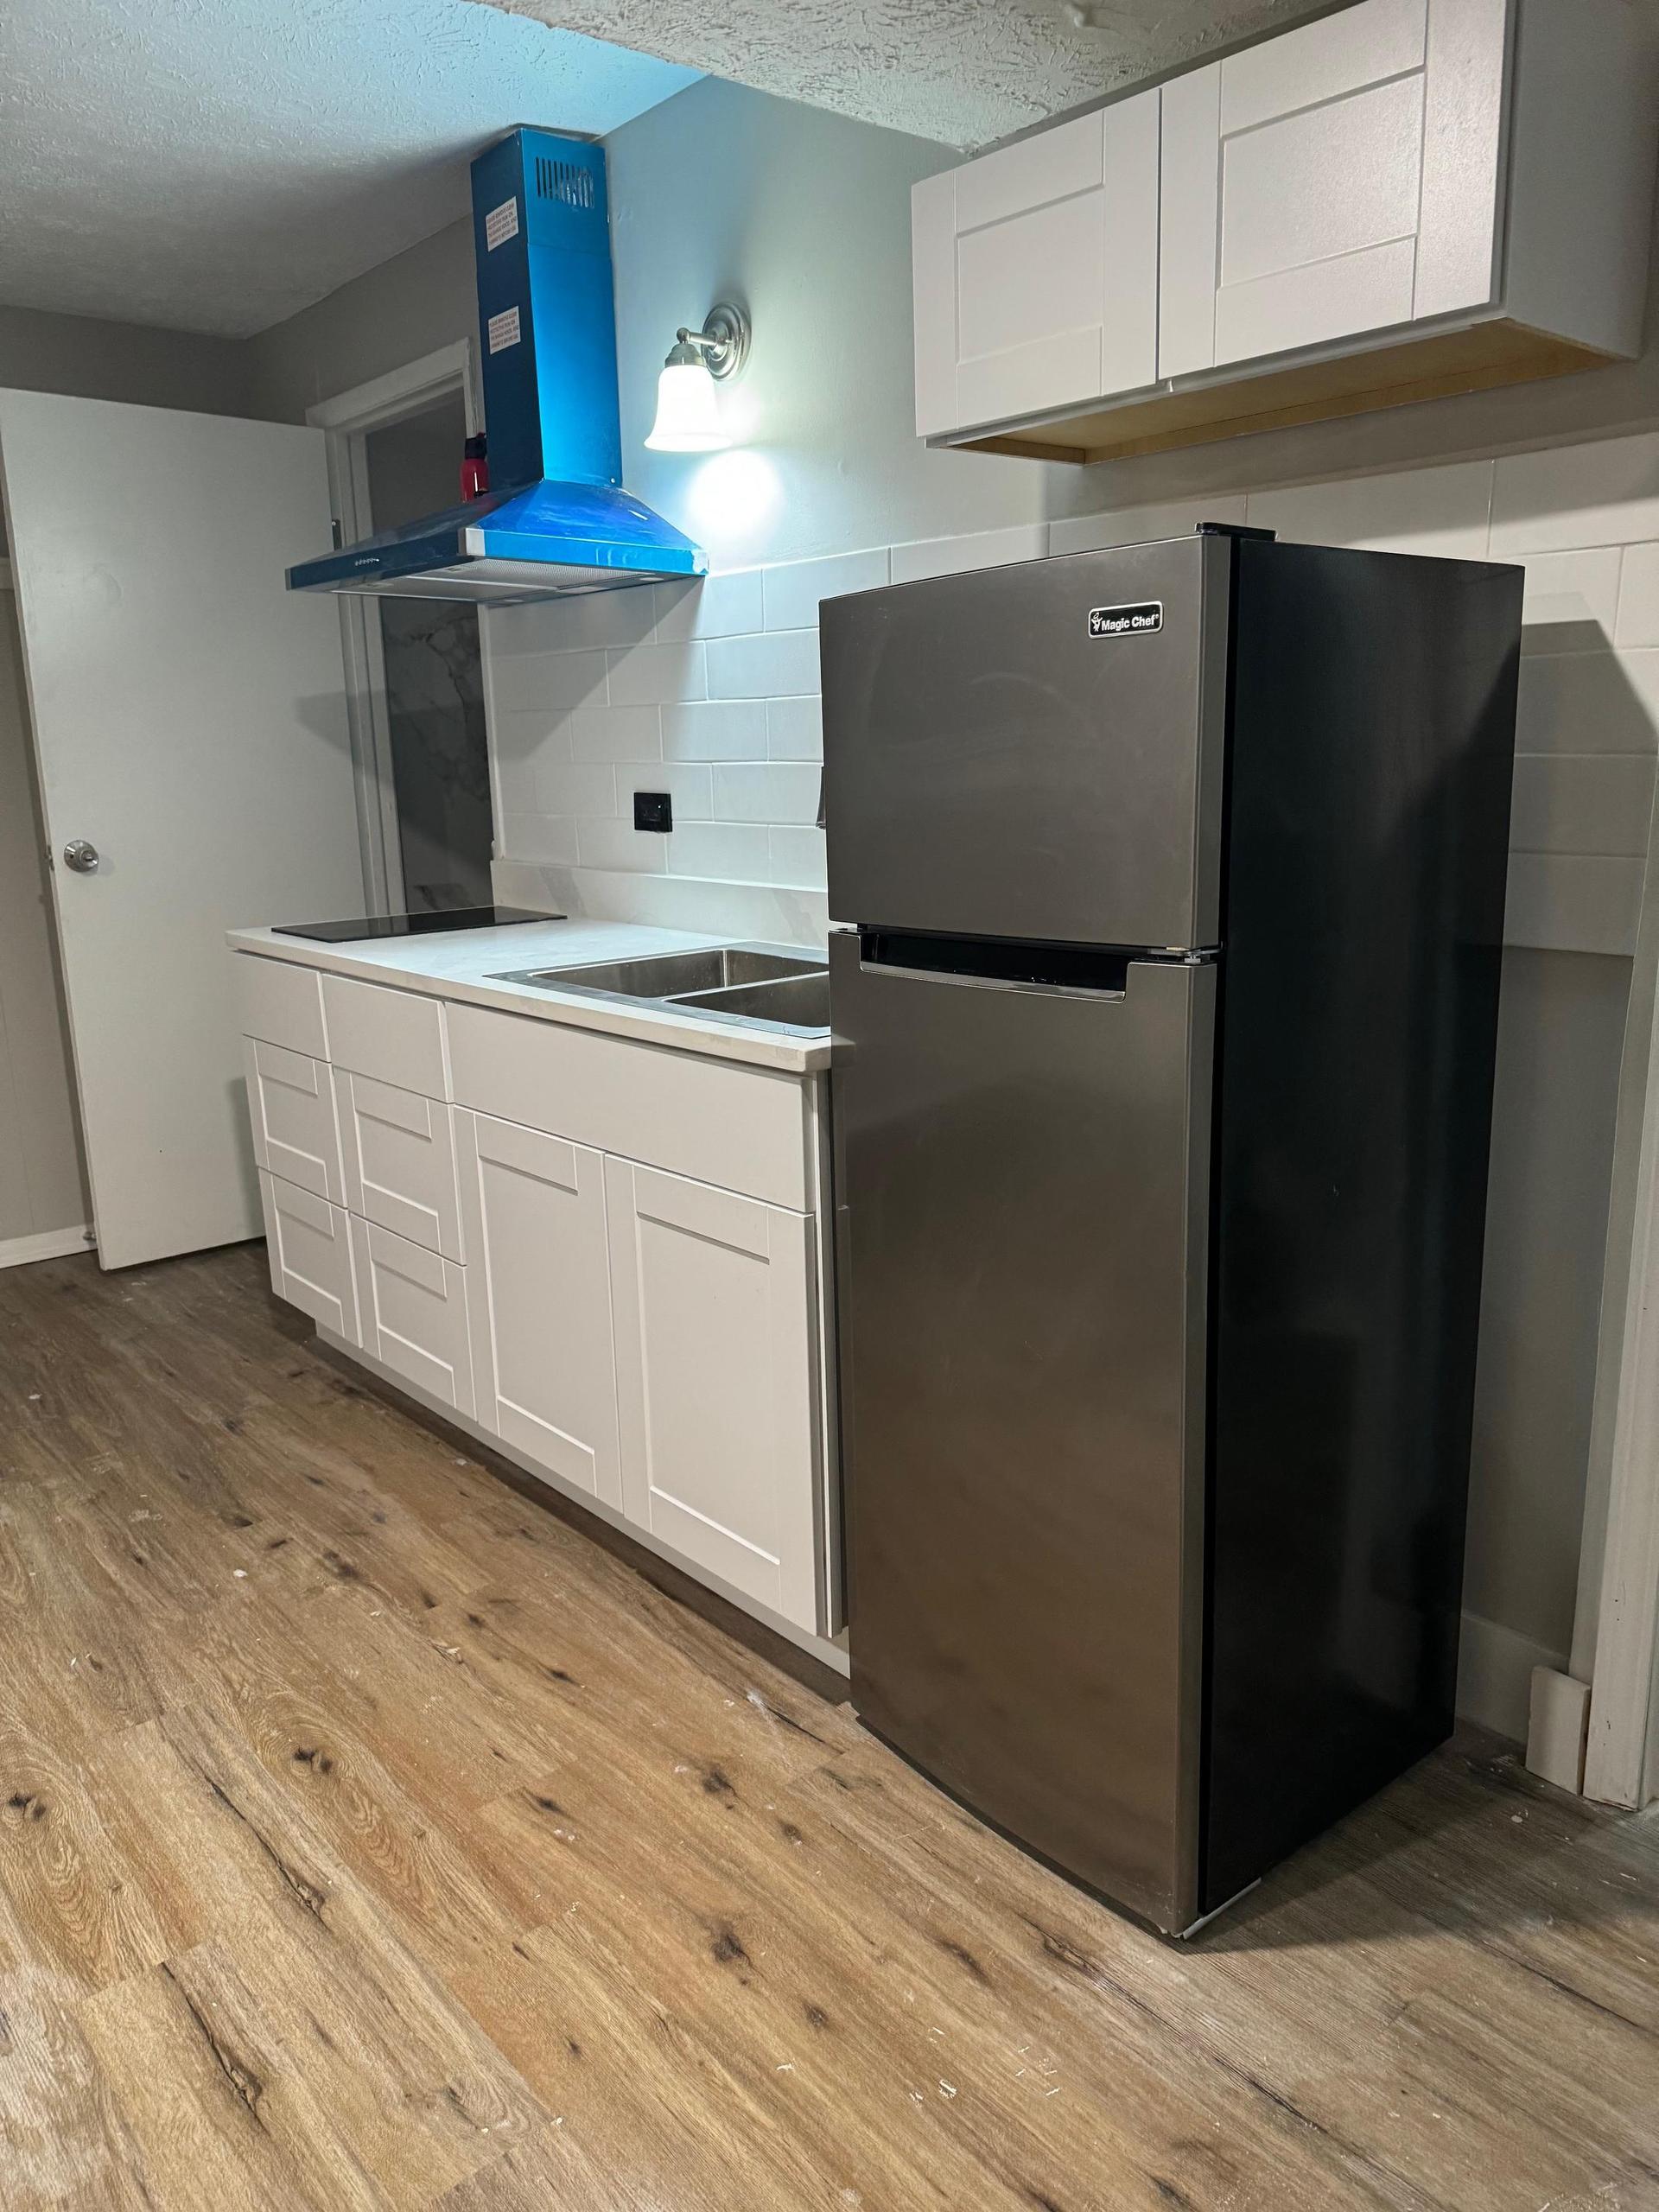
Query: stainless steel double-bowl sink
(761,985)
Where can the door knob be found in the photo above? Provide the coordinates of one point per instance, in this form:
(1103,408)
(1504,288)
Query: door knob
(81,856)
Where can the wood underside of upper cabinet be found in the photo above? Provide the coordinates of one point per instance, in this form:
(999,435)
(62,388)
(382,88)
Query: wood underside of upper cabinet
(1436,367)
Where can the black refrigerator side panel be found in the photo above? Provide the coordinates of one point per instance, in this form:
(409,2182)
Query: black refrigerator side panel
(1371,755)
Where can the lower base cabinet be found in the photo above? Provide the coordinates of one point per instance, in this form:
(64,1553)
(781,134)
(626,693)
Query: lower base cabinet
(646,1339)
(307,1242)
(533,1210)
(412,1314)
(714,1311)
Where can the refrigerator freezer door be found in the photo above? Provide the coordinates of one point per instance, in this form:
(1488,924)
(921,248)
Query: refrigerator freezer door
(1022,1212)
(1033,752)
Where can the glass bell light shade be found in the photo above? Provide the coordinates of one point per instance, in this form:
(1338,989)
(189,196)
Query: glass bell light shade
(688,411)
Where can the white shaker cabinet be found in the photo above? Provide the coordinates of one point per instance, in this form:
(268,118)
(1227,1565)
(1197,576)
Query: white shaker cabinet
(716,1318)
(539,1266)
(1401,200)
(1341,178)
(1036,272)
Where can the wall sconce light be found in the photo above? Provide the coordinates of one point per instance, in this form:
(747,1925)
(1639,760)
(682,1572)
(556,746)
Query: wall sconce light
(688,409)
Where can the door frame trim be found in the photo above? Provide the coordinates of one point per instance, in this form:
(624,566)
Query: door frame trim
(346,421)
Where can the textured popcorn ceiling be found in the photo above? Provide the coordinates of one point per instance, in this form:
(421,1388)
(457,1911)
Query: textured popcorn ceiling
(962,71)
(216,164)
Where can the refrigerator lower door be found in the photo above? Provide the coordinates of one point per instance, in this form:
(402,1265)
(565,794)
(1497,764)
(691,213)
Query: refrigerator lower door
(1022,1210)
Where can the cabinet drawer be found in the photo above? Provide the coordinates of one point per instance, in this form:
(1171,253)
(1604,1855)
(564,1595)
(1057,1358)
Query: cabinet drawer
(309,1243)
(413,1305)
(291,1106)
(745,1129)
(394,1037)
(281,1003)
(398,1150)
(714,1298)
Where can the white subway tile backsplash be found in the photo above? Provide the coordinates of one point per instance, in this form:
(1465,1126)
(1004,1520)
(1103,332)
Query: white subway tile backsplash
(793,591)
(1575,902)
(772,792)
(617,844)
(1140,525)
(1587,702)
(1444,512)
(719,606)
(795,729)
(1637,620)
(542,838)
(528,735)
(782,663)
(710,691)
(984,549)
(616,734)
(544,681)
(715,729)
(1573,496)
(651,676)
(1571,600)
(570,787)
(797,858)
(621,617)
(1582,803)
(736,853)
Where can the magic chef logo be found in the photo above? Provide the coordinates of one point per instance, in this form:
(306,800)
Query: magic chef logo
(1127,622)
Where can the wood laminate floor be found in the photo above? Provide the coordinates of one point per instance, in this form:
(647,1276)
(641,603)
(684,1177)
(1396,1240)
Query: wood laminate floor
(370,1837)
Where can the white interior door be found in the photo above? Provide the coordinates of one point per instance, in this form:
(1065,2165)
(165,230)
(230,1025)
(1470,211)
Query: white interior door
(190,724)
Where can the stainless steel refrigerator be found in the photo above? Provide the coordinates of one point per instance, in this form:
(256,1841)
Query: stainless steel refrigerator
(1167,886)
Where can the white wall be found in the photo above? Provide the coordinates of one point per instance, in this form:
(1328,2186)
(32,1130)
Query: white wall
(43,1201)
(805,219)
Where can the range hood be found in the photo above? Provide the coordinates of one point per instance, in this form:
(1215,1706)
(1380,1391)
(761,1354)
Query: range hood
(556,521)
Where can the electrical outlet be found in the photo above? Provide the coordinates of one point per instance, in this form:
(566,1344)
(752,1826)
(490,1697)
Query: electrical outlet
(653,810)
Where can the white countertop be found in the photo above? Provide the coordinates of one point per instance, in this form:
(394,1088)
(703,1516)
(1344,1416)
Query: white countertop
(461,963)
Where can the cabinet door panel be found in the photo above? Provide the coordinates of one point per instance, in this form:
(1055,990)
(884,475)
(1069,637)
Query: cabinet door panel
(1306,307)
(291,1105)
(1188,216)
(716,1390)
(1330,182)
(933,300)
(1036,272)
(399,1161)
(308,1246)
(412,1303)
(1323,60)
(1462,149)
(540,1298)
(1050,165)
(1340,178)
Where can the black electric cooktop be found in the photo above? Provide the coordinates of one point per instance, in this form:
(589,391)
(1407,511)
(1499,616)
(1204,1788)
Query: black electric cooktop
(435,924)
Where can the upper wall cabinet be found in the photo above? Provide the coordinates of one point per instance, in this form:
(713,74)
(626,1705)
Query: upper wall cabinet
(1036,271)
(1404,199)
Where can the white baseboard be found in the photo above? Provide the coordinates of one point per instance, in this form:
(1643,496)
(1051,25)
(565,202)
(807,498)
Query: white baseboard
(50,1245)
(1494,1675)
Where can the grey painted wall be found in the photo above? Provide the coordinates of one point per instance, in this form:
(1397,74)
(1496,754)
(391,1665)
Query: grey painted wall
(392,315)
(91,359)
(43,1179)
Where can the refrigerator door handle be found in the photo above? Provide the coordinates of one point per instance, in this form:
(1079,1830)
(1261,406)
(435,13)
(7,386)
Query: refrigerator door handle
(1091,971)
